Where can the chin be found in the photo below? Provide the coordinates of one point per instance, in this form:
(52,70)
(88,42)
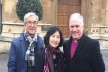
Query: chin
(32,34)
(75,38)
(54,46)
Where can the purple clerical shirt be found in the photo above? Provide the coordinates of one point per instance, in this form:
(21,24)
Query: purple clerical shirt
(73,47)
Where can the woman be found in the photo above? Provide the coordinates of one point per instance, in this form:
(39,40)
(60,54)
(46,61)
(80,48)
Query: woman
(53,56)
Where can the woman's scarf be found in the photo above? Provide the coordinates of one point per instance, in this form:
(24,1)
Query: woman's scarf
(49,64)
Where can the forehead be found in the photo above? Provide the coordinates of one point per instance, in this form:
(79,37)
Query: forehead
(75,22)
(56,33)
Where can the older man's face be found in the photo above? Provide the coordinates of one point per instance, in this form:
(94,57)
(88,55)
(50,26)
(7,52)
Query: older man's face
(76,29)
(31,25)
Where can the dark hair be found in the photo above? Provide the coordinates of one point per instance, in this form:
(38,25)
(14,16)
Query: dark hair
(51,31)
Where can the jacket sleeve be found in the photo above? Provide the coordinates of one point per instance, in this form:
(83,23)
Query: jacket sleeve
(12,58)
(96,59)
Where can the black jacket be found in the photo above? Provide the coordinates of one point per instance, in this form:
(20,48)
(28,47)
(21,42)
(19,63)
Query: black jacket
(87,57)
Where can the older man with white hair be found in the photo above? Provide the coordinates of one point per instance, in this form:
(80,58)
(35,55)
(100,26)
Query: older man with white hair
(82,54)
(27,51)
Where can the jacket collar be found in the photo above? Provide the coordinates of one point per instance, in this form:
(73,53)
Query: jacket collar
(23,45)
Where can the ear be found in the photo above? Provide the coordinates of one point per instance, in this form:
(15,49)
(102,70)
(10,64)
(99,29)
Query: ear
(83,28)
(24,25)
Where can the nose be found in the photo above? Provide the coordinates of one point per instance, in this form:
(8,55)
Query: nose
(74,28)
(32,24)
(55,39)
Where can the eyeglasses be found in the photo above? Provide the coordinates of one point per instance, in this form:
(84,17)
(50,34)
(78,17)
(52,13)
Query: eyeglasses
(30,23)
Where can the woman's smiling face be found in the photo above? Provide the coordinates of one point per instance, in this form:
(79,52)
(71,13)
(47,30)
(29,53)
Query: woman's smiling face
(54,39)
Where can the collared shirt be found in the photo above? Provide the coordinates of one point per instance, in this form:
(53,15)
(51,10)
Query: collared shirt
(74,45)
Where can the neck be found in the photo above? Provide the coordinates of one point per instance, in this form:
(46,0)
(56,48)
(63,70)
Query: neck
(32,36)
(75,40)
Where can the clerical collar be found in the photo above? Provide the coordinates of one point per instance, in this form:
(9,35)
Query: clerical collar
(75,40)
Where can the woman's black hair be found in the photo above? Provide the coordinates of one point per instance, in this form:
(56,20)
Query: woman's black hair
(51,31)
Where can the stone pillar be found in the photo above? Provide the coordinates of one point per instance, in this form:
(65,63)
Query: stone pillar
(47,11)
(98,12)
(106,13)
(86,11)
(0,16)
(103,12)
(54,13)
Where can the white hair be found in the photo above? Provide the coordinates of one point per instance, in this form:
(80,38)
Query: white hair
(78,17)
(30,14)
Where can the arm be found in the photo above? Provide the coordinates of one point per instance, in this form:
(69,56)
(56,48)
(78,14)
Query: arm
(12,58)
(97,60)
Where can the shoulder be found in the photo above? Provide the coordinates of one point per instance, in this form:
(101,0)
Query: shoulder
(18,39)
(39,38)
(40,41)
(92,41)
(67,41)
(87,39)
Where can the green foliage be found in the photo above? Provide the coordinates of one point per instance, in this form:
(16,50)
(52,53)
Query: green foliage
(25,6)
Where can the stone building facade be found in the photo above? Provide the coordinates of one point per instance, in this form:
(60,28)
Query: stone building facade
(57,12)
(95,12)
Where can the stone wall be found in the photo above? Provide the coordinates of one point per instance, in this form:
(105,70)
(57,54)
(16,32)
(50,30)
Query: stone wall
(95,11)
(49,11)
(100,33)
(106,12)
(99,12)
(5,44)
(9,11)
(16,29)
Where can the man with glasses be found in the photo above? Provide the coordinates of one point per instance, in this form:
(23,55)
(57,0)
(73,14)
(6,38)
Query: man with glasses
(26,52)
(82,54)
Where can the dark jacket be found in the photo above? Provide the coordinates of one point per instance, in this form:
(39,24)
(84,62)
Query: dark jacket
(87,57)
(17,63)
